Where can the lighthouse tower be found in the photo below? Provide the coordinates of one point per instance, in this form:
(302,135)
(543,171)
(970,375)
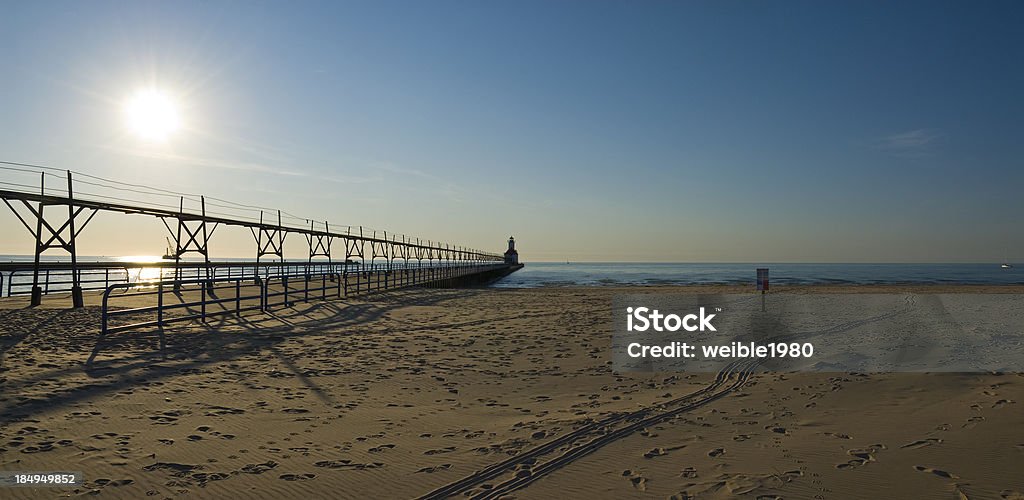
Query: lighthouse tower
(511,255)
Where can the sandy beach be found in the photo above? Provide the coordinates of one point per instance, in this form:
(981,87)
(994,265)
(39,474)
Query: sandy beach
(401,394)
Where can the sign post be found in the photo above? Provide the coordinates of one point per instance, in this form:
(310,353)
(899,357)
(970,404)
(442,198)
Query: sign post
(762,283)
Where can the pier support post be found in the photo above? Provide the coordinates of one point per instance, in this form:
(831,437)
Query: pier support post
(76,286)
(269,241)
(355,247)
(54,238)
(197,238)
(319,244)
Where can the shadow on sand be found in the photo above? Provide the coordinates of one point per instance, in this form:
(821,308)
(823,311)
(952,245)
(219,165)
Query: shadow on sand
(150,356)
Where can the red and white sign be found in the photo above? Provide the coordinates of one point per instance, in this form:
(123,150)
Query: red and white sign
(762,279)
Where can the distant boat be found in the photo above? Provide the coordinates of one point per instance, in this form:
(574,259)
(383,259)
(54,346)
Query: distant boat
(1006,266)
(168,254)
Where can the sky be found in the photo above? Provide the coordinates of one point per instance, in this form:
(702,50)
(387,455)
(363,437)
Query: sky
(683,131)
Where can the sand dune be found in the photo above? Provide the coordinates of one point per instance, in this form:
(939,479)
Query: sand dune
(490,392)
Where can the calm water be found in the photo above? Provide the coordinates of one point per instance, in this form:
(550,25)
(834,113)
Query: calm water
(619,273)
(596,274)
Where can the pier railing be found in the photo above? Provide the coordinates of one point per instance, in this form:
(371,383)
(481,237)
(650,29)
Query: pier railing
(19,281)
(56,277)
(161,303)
(192,300)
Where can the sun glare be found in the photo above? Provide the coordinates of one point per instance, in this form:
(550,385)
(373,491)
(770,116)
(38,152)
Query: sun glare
(152,115)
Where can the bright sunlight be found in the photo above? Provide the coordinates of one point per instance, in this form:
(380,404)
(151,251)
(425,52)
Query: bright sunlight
(152,115)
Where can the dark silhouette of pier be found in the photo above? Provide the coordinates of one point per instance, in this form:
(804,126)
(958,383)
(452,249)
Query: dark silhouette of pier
(55,208)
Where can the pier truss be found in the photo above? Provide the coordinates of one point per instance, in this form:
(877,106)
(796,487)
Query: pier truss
(269,241)
(24,189)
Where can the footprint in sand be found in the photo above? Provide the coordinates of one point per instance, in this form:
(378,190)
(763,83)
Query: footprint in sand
(1011,495)
(37,449)
(937,472)
(436,468)
(347,464)
(717,452)
(1003,402)
(259,468)
(202,478)
(656,452)
(639,482)
(447,449)
(113,482)
(921,443)
(175,469)
(972,422)
(861,456)
(297,477)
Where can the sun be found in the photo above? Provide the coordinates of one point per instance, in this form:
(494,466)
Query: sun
(152,115)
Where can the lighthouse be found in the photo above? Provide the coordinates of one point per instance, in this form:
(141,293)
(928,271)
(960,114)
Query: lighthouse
(511,255)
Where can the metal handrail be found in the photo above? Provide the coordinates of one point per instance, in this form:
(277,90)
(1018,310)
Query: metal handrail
(305,291)
(313,286)
(206,288)
(61,280)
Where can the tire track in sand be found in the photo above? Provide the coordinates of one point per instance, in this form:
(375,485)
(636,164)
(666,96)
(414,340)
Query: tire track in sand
(587,439)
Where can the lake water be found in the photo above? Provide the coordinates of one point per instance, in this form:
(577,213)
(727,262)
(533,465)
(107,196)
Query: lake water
(620,273)
(597,274)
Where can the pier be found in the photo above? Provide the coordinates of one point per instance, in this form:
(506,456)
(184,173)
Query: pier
(55,207)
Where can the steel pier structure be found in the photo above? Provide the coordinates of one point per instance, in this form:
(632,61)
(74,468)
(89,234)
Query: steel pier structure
(55,216)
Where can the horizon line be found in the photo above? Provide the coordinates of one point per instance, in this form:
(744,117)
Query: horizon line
(143,258)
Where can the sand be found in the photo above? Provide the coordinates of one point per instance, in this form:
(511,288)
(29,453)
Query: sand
(487,391)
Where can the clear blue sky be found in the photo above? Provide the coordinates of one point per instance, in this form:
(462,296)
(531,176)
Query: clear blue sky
(629,131)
